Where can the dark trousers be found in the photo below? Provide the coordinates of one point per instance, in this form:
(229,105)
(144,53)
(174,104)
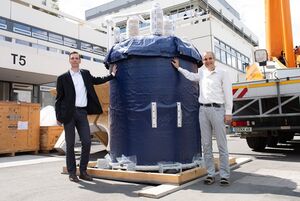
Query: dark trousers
(80,122)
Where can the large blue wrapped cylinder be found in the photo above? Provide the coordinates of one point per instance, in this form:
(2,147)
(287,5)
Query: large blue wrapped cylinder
(145,75)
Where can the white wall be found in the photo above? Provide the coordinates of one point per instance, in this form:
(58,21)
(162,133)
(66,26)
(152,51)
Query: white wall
(5,8)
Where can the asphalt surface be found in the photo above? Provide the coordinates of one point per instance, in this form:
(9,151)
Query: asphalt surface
(271,175)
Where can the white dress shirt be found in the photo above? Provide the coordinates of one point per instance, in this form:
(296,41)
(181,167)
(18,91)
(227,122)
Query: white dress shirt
(80,89)
(215,86)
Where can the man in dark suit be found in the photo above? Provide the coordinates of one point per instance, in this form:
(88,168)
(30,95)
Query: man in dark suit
(76,97)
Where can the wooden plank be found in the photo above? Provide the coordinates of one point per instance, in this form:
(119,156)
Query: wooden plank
(131,176)
(191,174)
(165,189)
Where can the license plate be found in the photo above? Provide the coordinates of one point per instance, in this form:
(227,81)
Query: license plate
(243,129)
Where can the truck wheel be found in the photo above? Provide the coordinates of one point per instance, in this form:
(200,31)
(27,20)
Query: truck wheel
(272,141)
(257,143)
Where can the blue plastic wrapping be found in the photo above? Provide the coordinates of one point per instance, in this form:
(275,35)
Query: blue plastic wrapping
(145,75)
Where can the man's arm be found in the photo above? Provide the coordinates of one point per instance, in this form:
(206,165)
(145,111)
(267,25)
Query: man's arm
(59,98)
(227,88)
(188,75)
(101,80)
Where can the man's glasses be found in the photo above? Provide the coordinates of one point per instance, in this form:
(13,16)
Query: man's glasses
(209,58)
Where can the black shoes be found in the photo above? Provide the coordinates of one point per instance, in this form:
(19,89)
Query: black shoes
(85,176)
(73,178)
(224,182)
(209,180)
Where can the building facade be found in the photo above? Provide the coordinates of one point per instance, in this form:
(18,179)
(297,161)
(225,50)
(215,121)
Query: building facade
(210,25)
(35,41)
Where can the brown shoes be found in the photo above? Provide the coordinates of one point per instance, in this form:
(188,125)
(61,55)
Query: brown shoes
(73,178)
(85,176)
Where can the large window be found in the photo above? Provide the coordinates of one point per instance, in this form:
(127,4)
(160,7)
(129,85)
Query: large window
(21,29)
(38,33)
(86,47)
(227,55)
(56,38)
(70,42)
(23,42)
(39,46)
(3,24)
(2,38)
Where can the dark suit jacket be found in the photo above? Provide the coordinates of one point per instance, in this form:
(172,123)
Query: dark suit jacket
(65,99)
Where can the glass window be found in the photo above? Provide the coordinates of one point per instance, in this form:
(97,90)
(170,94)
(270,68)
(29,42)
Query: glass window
(38,33)
(239,61)
(223,56)
(21,29)
(85,57)
(70,42)
(52,49)
(3,24)
(2,38)
(8,39)
(218,53)
(216,42)
(55,38)
(99,50)
(222,45)
(98,60)
(39,46)
(228,59)
(86,47)
(23,42)
(234,64)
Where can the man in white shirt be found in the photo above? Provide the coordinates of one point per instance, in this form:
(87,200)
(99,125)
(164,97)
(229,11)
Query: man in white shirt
(215,98)
(76,97)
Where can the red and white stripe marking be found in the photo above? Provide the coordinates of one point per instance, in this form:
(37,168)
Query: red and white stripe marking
(239,93)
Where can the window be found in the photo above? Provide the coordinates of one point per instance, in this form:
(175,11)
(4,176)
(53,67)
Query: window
(3,24)
(97,60)
(2,38)
(227,55)
(216,42)
(39,46)
(56,38)
(99,50)
(52,49)
(86,47)
(85,57)
(70,42)
(218,53)
(223,56)
(38,33)
(21,29)
(23,42)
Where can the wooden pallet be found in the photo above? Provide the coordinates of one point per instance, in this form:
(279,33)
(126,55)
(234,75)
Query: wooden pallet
(13,153)
(148,177)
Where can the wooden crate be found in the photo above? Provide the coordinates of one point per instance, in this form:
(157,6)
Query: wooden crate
(19,127)
(49,136)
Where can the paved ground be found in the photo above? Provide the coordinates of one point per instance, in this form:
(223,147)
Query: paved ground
(272,175)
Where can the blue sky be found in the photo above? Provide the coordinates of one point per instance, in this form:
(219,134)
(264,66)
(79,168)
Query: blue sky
(251,12)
